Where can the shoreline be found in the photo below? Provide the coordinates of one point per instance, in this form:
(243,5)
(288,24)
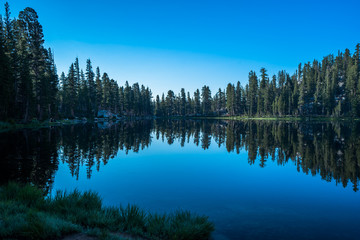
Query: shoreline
(7,126)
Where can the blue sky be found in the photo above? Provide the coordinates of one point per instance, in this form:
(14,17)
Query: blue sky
(173,44)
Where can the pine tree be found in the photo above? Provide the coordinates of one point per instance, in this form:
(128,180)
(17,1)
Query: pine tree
(92,89)
(252,93)
(197,103)
(136,98)
(264,82)
(106,101)
(206,100)
(52,85)
(189,105)
(62,95)
(302,96)
(170,103)
(182,102)
(71,95)
(99,91)
(219,101)
(23,83)
(114,96)
(14,101)
(121,100)
(158,111)
(83,96)
(295,96)
(239,107)
(5,79)
(35,38)
(351,87)
(230,99)
(77,85)
(127,98)
(328,92)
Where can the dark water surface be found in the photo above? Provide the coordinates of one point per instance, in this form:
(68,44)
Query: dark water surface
(255,180)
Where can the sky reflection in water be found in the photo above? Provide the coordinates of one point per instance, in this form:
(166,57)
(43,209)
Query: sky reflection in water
(244,200)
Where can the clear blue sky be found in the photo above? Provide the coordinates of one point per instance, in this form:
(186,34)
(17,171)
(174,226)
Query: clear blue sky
(173,44)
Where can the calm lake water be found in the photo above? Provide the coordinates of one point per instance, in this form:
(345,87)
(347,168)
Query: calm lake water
(255,179)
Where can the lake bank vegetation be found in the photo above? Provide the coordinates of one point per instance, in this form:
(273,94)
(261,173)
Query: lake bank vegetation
(30,87)
(26,214)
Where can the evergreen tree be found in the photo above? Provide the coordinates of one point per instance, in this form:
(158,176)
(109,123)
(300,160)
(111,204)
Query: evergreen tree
(136,100)
(351,87)
(230,99)
(158,109)
(189,105)
(182,102)
(253,93)
(106,98)
(170,103)
(264,82)
(32,29)
(91,89)
(206,100)
(197,103)
(99,91)
(71,95)
(62,95)
(52,85)
(127,98)
(239,107)
(5,79)
(83,96)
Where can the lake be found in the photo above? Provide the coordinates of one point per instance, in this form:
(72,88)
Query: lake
(254,179)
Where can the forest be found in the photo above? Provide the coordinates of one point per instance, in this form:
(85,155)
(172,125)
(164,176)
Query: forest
(30,87)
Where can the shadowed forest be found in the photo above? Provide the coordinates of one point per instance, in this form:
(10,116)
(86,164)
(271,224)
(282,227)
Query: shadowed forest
(31,89)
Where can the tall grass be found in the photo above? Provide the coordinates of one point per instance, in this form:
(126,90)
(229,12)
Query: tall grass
(26,213)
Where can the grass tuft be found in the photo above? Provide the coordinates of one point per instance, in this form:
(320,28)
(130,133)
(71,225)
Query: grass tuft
(158,225)
(26,214)
(132,219)
(27,195)
(184,225)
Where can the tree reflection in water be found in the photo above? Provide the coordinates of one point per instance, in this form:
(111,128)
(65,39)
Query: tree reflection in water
(329,149)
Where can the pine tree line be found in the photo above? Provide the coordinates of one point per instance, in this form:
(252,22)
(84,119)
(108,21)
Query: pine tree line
(30,86)
(329,88)
(85,94)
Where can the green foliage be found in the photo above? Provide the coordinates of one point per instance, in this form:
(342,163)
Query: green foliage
(84,209)
(44,226)
(25,213)
(28,195)
(184,225)
(132,218)
(158,225)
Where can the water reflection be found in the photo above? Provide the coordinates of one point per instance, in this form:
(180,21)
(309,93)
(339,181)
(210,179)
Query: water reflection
(331,150)
(29,156)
